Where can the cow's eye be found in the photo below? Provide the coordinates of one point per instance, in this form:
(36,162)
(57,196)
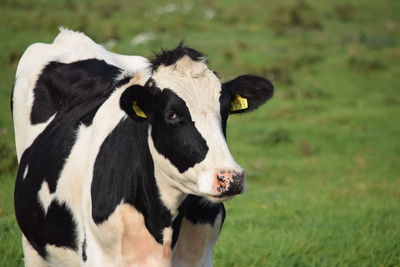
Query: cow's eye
(172,116)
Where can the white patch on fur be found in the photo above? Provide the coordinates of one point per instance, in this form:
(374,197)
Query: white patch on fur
(194,83)
(61,256)
(45,197)
(123,240)
(77,46)
(171,197)
(31,257)
(167,235)
(104,241)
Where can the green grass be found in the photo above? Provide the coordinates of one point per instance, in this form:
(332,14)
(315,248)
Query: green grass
(322,158)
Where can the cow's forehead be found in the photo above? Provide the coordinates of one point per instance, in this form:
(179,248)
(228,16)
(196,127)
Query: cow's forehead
(192,81)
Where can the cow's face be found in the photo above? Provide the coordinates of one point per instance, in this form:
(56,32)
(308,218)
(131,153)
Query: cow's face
(187,108)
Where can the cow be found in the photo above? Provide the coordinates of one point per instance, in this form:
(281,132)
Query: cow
(123,161)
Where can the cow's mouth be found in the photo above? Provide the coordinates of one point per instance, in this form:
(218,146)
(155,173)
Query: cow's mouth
(218,198)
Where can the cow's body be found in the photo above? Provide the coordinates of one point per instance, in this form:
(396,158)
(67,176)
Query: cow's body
(99,185)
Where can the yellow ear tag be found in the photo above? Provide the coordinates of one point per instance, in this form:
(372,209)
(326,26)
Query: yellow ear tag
(239,103)
(138,110)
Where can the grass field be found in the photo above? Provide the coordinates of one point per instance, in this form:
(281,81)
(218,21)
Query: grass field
(322,157)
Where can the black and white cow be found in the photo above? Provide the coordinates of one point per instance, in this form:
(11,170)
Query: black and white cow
(123,161)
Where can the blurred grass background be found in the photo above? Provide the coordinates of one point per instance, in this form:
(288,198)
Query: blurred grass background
(322,157)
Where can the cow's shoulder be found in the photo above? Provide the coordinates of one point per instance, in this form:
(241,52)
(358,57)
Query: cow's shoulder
(123,173)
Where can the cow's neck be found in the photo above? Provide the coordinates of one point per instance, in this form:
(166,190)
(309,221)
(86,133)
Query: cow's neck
(171,196)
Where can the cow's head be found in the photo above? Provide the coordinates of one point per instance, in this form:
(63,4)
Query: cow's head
(187,107)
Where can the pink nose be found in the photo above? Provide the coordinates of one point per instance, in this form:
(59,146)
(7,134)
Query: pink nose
(228,183)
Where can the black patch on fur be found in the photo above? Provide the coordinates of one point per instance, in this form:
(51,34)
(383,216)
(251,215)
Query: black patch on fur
(255,89)
(56,227)
(124,172)
(62,86)
(46,158)
(84,256)
(47,154)
(178,139)
(197,210)
(169,57)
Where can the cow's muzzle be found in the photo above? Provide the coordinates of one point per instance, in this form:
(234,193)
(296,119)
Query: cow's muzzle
(229,183)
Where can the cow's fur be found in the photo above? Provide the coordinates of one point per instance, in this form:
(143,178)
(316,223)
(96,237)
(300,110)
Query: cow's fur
(99,185)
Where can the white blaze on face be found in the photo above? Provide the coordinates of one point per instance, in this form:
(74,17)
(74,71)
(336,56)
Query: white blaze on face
(200,88)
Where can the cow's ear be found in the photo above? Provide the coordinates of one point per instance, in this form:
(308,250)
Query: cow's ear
(139,102)
(248,92)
